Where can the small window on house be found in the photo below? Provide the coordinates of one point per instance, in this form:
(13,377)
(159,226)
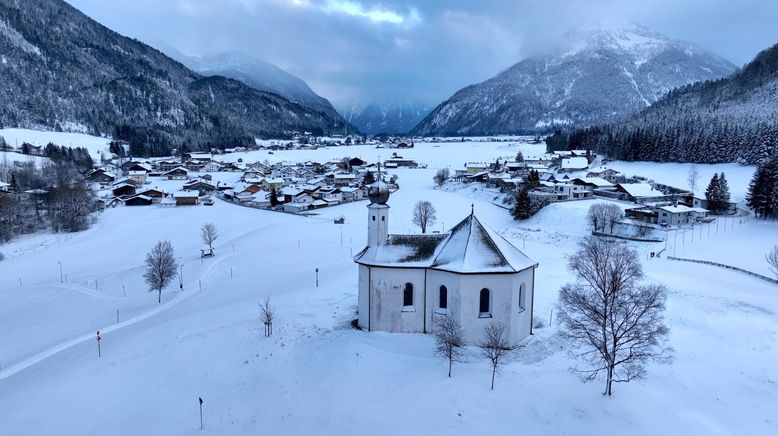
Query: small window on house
(483,306)
(522,292)
(408,295)
(443,301)
(373,217)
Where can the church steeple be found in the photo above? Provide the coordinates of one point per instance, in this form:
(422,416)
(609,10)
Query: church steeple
(377,213)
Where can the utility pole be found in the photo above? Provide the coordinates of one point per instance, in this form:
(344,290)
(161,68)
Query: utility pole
(61,276)
(317,277)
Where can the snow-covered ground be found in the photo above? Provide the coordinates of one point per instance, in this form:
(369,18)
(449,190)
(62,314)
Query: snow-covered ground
(316,375)
(94,144)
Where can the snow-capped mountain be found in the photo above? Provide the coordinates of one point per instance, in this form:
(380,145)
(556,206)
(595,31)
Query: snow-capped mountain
(61,70)
(734,119)
(258,74)
(389,118)
(596,75)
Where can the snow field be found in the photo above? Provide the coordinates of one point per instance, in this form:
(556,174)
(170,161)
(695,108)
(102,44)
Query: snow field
(316,375)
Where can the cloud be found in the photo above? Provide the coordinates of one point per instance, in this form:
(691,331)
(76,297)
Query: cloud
(419,50)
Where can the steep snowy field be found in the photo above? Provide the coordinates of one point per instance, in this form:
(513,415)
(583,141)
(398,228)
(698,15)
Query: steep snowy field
(318,376)
(94,144)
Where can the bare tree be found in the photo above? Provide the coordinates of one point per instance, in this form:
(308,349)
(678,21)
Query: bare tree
(693,177)
(494,346)
(772,260)
(441,176)
(161,267)
(596,216)
(424,215)
(449,340)
(266,313)
(617,323)
(612,215)
(209,234)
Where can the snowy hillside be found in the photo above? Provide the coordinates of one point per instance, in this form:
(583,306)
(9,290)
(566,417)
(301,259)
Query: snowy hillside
(390,117)
(257,74)
(316,375)
(597,75)
(96,145)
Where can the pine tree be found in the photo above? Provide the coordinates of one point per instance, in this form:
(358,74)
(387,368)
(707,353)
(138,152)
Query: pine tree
(762,194)
(533,179)
(522,205)
(368,179)
(711,193)
(723,196)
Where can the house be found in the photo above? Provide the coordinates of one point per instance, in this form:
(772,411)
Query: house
(295,207)
(356,162)
(639,192)
(139,200)
(592,184)
(570,191)
(202,186)
(605,173)
(123,190)
(186,198)
(5,187)
(194,165)
(178,173)
(155,194)
(344,179)
(572,164)
(136,166)
(475,167)
(101,176)
(167,165)
(210,167)
(270,184)
(139,177)
(472,274)
(675,215)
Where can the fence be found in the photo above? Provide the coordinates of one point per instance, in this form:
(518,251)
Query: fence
(721,265)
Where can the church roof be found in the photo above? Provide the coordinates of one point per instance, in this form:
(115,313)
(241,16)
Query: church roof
(470,247)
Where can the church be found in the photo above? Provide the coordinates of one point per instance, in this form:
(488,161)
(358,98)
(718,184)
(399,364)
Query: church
(406,282)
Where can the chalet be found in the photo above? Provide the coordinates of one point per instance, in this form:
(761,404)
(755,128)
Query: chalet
(476,167)
(231,166)
(5,187)
(270,184)
(200,157)
(186,198)
(605,173)
(138,176)
(199,185)
(136,166)
(194,165)
(351,194)
(167,165)
(295,207)
(356,162)
(593,184)
(123,190)
(168,202)
(344,179)
(101,176)
(178,173)
(154,194)
(139,200)
(675,215)
(210,167)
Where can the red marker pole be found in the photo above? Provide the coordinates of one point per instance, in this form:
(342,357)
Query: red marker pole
(99,354)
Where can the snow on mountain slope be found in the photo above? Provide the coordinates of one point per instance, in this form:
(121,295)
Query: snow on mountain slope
(597,75)
(390,117)
(257,74)
(96,145)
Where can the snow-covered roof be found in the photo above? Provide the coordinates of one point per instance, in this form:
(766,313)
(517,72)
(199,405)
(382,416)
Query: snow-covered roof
(596,181)
(186,194)
(574,163)
(677,209)
(640,190)
(469,248)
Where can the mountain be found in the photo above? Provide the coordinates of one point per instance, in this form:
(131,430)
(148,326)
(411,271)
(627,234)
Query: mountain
(596,76)
(728,120)
(258,74)
(62,70)
(390,118)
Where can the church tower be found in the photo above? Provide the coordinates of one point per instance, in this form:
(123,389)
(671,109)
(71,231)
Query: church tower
(378,214)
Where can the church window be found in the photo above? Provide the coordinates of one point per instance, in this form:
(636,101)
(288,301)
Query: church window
(522,292)
(408,295)
(443,304)
(483,306)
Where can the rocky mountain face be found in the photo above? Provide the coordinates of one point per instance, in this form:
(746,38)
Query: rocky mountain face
(393,118)
(734,119)
(62,70)
(597,76)
(258,74)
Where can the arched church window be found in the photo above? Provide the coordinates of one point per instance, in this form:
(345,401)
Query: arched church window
(408,295)
(443,298)
(483,306)
(522,292)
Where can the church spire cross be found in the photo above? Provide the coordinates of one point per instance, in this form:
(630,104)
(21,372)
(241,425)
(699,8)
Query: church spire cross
(472,208)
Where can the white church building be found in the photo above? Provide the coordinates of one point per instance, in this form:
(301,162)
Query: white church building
(471,273)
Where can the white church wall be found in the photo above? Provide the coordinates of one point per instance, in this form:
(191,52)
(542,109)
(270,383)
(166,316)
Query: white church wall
(434,280)
(387,312)
(522,318)
(501,287)
(363,300)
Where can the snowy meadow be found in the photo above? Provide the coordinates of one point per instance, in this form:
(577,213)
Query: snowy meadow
(316,374)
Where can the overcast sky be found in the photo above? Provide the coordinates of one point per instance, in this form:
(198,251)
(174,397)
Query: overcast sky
(419,50)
